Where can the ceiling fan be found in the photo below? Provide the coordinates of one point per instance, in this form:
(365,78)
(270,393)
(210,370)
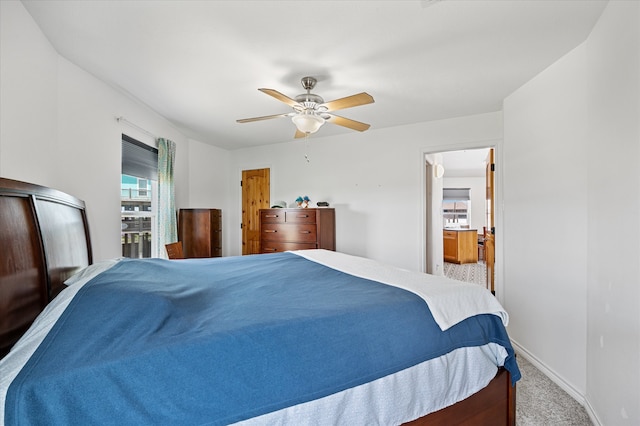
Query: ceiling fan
(310,111)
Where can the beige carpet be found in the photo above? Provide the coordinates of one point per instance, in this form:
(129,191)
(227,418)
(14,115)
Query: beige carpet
(540,402)
(469,272)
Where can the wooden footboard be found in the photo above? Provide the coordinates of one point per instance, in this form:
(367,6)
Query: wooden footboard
(494,405)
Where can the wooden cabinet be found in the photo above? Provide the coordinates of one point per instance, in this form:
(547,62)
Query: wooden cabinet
(460,246)
(200,231)
(297,229)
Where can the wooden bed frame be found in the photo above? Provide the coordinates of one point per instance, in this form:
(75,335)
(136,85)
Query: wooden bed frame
(44,238)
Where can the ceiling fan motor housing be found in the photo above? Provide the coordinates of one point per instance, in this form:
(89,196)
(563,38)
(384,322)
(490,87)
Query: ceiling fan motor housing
(309,98)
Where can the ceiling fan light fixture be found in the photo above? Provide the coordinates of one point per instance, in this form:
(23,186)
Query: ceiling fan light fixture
(307,122)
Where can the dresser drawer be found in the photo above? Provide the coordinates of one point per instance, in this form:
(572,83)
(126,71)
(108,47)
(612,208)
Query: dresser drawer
(283,232)
(300,216)
(272,216)
(275,247)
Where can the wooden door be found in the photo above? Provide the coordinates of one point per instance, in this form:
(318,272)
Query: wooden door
(255,196)
(489,231)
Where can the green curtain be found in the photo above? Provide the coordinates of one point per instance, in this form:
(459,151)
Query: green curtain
(167,226)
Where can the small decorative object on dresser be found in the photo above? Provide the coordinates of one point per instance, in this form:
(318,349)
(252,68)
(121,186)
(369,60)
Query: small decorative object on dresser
(200,231)
(293,229)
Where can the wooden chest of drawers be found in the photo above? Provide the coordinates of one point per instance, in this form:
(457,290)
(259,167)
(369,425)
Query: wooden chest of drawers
(297,229)
(200,231)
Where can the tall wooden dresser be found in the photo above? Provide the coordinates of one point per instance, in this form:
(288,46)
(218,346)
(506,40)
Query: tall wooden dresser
(297,229)
(200,231)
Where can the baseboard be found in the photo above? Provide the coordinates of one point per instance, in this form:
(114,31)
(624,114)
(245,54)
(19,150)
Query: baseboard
(592,413)
(558,380)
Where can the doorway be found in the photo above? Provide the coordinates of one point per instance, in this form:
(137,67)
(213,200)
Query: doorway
(468,175)
(256,190)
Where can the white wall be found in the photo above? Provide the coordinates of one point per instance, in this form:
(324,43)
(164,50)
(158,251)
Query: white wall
(29,87)
(375,180)
(613,256)
(571,151)
(209,180)
(545,204)
(59,129)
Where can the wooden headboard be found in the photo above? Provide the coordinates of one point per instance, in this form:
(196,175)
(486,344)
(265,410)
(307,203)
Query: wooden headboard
(44,239)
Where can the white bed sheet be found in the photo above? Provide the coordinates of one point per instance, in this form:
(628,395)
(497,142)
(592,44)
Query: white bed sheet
(450,301)
(397,398)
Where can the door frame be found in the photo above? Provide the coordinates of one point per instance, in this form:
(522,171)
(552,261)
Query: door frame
(497,146)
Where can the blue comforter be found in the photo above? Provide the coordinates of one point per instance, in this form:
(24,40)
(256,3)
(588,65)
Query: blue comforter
(214,341)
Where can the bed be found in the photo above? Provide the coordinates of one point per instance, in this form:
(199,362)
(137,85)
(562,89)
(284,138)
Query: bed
(308,337)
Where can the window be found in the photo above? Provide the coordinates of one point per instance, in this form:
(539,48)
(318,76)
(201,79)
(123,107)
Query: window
(456,206)
(137,204)
(142,187)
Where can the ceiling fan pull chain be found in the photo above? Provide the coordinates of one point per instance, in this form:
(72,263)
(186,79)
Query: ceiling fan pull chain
(306,147)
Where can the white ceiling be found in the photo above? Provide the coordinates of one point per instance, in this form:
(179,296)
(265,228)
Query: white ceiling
(200,63)
(465,163)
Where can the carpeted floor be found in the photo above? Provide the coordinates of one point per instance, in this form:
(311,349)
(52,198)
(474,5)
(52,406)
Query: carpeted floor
(468,272)
(540,402)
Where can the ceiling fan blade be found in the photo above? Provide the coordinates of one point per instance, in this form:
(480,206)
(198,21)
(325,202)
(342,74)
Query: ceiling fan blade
(299,134)
(347,122)
(348,102)
(279,96)
(266,117)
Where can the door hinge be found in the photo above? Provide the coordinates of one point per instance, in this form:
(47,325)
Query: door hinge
(240,183)
(241,226)
(493,167)
(493,230)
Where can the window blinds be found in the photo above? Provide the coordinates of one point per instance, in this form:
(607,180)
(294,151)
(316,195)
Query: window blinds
(139,159)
